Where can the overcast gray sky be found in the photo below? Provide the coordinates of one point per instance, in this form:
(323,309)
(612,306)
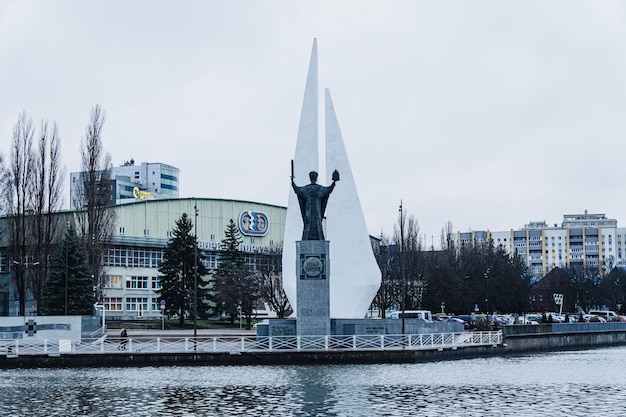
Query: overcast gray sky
(487,114)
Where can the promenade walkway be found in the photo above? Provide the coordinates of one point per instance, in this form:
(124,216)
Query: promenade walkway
(236,342)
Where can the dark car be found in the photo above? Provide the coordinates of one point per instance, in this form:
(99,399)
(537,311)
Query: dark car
(455,320)
(469,322)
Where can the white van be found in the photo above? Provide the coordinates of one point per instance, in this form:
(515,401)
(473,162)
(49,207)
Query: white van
(425,315)
(608,315)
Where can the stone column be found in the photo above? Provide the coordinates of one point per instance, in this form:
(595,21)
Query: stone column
(313,288)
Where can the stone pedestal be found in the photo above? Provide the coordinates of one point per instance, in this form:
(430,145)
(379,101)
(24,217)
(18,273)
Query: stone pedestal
(313,288)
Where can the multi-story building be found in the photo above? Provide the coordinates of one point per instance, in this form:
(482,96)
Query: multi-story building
(143,230)
(130,182)
(582,240)
(140,236)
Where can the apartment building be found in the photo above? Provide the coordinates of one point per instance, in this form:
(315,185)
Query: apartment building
(581,240)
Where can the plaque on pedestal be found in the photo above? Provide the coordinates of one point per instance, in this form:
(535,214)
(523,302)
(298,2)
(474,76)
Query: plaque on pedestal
(313,288)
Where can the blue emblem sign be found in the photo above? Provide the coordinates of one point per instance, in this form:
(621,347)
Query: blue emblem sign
(253,223)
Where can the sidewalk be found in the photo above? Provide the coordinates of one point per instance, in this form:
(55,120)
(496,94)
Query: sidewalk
(182,332)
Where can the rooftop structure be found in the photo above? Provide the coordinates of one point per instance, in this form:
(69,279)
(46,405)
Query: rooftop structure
(130,182)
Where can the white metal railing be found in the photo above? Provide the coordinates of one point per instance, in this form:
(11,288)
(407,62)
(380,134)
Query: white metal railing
(216,344)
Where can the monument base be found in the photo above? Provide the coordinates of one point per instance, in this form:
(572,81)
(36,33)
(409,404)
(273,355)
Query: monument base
(313,287)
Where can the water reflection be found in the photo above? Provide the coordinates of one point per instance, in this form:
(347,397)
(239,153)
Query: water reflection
(585,383)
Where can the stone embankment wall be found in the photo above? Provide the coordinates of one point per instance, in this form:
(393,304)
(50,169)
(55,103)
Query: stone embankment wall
(517,339)
(562,336)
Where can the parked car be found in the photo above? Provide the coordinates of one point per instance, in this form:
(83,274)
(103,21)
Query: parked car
(532,318)
(608,315)
(455,320)
(506,318)
(425,315)
(482,321)
(592,318)
(469,322)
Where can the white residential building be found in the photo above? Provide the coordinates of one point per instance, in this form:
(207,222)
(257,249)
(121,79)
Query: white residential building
(130,182)
(582,240)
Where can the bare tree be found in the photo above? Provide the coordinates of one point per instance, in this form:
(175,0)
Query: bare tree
(19,200)
(269,281)
(47,186)
(409,258)
(94,199)
(388,292)
(447,241)
(5,186)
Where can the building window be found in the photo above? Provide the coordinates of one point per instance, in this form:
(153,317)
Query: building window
(115,256)
(113,304)
(122,230)
(156,283)
(4,262)
(137,282)
(113,281)
(136,304)
(210,260)
(143,257)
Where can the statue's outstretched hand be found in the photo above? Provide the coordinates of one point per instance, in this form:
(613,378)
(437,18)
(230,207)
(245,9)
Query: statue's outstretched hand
(335,175)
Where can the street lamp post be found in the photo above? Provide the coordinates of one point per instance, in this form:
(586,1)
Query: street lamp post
(403,280)
(487,290)
(66,263)
(162,305)
(195,273)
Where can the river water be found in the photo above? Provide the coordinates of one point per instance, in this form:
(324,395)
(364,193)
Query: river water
(576,383)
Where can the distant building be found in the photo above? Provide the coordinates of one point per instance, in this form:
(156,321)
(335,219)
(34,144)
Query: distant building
(141,233)
(130,182)
(582,240)
(541,297)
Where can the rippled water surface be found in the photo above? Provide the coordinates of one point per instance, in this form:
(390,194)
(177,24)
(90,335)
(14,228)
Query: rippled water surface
(581,383)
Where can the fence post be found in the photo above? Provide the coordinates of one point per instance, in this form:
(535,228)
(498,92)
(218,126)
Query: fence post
(243,343)
(325,342)
(382,341)
(298,342)
(158,345)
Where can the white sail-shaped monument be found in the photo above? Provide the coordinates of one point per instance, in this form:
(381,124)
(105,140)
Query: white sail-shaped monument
(306,159)
(354,274)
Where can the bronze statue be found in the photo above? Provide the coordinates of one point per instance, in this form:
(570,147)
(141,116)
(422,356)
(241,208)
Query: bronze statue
(313,199)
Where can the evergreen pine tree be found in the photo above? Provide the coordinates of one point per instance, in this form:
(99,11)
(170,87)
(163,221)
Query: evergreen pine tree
(70,280)
(235,285)
(177,272)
